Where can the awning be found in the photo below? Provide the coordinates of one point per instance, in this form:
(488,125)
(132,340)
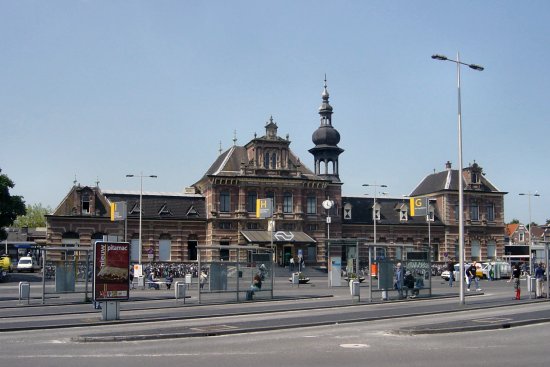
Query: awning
(264,237)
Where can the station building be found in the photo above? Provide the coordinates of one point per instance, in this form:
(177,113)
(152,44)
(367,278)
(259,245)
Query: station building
(220,209)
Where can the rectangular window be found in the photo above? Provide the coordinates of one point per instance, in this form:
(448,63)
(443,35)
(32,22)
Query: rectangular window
(287,202)
(251,201)
(491,250)
(165,247)
(192,250)
(491,212)
(474,211)
(225,201)
(456,212)
(288,226)
(224,225)
(311,205)
(252,225)
(311,227)
(270,195)
(476,250)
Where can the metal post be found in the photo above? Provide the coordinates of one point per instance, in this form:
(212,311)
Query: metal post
(460,184)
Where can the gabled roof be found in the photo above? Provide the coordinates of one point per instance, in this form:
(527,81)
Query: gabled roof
(511,228)
(234,162)
(448,181)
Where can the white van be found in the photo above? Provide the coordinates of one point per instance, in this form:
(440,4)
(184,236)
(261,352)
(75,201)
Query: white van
(27,263)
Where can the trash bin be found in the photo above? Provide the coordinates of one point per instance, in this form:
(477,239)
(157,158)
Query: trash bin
(354,288)
(188,279)
(295,278)
(180,289)
(24,291)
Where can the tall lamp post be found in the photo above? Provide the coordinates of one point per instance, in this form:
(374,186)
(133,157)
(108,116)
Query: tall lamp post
(374,213)
(528,194)
(460,185)
(140,176)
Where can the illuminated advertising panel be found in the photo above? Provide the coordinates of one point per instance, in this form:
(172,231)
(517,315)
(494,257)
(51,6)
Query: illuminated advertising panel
(111,271)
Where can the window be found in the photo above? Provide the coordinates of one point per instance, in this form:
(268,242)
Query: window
(252,225)
(521,236)
(491,250)
(287,202)
(251,201)
(134,250)
(456,212)
(474,211)
(266,160)
(311,205)
(165,248)
(311,227)
(225,225)
(288,226)
(271,195)
(192,250)
(85,203)
(476,250)
(475,177)
(225,202)
(491,212)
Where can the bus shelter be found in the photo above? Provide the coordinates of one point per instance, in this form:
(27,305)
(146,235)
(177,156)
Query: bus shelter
(230,278)
(70,270)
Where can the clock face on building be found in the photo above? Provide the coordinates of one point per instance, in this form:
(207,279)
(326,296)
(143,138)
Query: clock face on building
(327,204)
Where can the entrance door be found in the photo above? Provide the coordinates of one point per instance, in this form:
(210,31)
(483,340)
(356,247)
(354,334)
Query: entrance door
(287,254)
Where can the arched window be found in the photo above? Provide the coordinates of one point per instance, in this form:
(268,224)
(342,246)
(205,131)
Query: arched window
(165,247)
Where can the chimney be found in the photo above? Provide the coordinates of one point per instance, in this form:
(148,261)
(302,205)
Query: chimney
(448,165)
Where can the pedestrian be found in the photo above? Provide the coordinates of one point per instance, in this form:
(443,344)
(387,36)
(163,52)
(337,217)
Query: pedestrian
(516,274)
(408,284)
(399,280)
(202,279)
(471,275)
(451,270)
(292,264)
(539,276)
(254,287)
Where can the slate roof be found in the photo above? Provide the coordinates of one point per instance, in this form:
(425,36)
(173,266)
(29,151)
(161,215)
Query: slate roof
(229,164)
(164,206)
(448,181)
(389,212)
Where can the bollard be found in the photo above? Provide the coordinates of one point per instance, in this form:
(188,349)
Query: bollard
(355,290)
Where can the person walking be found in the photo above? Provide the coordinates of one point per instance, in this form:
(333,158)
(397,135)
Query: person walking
(539,278)
(451,270)
(399,280)
(292,264)
(471,275)
(516,274)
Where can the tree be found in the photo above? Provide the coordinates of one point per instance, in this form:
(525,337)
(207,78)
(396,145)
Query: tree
(514,221)
(35,217)
(10,206)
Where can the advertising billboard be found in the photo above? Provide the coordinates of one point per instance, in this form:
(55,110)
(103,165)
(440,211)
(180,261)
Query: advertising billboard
(111,271)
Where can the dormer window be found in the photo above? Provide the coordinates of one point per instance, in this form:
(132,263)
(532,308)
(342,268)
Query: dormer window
(403,213)
(85,203)
(475,177)
(376,211)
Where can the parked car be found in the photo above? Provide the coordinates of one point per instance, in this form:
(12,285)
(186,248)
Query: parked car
(27,263)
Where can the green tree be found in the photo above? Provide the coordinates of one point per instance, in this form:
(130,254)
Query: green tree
(514,221)
(35,217)
(10,206)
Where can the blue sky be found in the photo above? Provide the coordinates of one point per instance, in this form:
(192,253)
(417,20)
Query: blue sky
(99,89)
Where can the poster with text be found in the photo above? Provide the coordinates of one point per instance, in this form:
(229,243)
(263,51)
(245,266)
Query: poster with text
(111,271)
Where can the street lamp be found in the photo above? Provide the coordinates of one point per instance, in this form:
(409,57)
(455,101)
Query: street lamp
(140,176)
(460,188)
(530,222)
(374,212)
